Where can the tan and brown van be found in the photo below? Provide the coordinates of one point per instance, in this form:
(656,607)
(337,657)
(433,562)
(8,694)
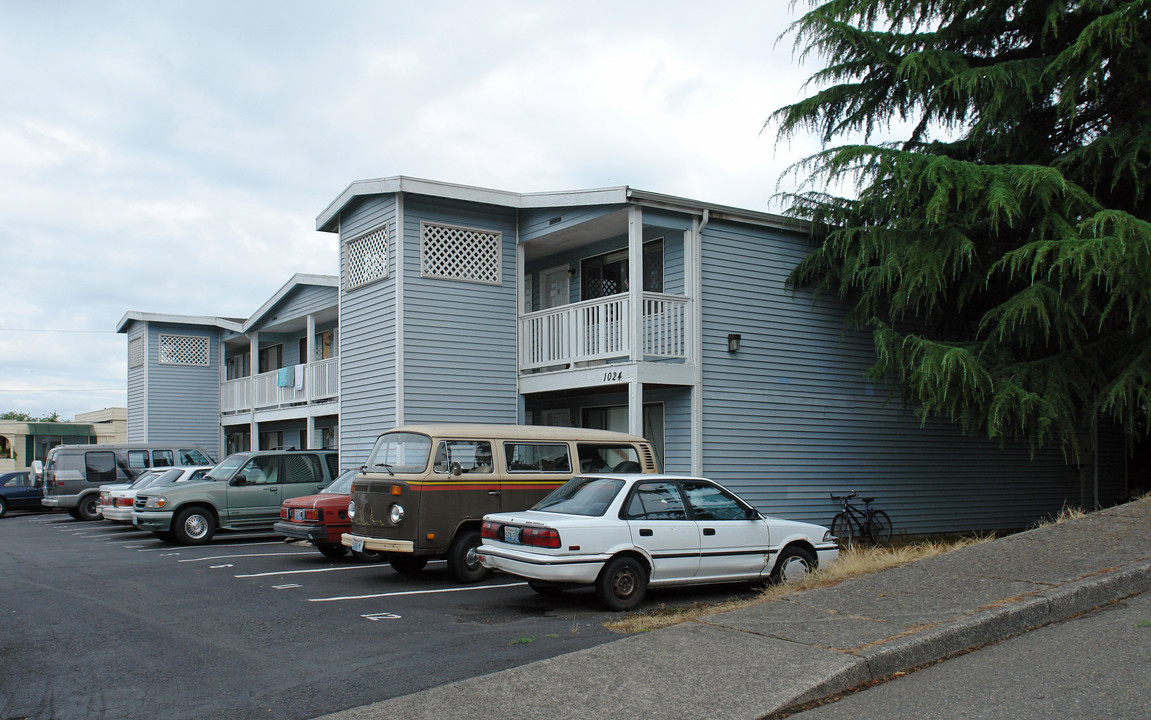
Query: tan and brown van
(425,488)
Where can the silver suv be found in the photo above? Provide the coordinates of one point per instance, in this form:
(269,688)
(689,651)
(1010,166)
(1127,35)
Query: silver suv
(244,491)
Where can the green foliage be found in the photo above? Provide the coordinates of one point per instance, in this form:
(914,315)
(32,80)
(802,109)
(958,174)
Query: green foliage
(1004,266)
(25,417)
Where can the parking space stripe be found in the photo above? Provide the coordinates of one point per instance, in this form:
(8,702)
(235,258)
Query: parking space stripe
(229,557)
(317,570)
(416,592)
(211,547)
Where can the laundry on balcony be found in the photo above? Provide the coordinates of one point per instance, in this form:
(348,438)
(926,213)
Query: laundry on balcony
(286,377)
(300,376)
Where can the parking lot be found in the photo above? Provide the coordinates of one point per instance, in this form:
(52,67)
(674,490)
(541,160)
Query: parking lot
(104,621)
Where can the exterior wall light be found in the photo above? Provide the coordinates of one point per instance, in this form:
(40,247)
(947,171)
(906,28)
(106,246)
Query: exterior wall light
(733,342)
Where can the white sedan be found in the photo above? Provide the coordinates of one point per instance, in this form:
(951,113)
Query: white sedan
(622,533)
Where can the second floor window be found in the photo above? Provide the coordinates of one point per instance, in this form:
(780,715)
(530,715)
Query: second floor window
(606,275)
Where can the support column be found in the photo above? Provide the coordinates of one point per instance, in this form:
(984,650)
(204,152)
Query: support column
(635,407)
(253,371)
(310,434)
(635,281)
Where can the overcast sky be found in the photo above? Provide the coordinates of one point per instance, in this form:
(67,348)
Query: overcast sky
(172,157)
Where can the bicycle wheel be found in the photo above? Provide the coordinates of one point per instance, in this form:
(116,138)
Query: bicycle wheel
(842,530)
(879,527)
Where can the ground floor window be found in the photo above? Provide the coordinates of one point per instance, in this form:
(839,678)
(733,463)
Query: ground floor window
(272,440)
(237,441)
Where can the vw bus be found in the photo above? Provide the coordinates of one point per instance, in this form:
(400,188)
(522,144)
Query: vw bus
(425,489)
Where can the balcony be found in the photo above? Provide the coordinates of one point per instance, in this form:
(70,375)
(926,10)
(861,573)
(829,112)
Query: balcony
(262,392)
(600,330)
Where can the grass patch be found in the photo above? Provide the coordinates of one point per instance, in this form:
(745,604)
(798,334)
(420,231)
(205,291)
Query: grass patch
(523,640)
(854,561)
(1069,512)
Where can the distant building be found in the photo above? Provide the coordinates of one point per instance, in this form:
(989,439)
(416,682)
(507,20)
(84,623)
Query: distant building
(22,442)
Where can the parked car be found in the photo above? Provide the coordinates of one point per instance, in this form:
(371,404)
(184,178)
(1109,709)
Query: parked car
(323,519)
(18,491)
(116,501)
(244,491)
(623,533)
(73,474)
(425,488)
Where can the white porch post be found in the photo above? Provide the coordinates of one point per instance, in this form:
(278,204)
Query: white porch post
(253,371)
(693,281)
(307,360)
(635,281)
(310,434)
(635,407)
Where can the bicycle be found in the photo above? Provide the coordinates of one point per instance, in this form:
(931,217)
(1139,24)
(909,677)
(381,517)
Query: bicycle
(852,523)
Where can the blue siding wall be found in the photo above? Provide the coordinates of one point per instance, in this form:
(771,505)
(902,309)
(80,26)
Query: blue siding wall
(790,418)
(183,401)
(367,337)
(302,301)
(459,337)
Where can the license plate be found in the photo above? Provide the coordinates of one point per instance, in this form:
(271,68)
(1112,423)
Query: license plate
(512,535)
(298,514)
(358,544)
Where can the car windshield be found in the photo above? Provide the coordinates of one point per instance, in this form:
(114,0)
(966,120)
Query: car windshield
(144,480)
(227,468)
(165,478)
(400,452)
(581,496)
(343,484)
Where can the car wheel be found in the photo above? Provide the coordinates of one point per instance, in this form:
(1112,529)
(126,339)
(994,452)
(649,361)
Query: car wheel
(334,552)
(3,507)
(793,563)
(194,526)
(407,564)
(546,588)
(369,556)
(166,536)
(463,562)
(87,507)
(74,513)
(622,584)
(841,528)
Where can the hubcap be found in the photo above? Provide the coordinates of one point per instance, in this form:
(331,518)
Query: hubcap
(794,569)
(196,526)
(471,560)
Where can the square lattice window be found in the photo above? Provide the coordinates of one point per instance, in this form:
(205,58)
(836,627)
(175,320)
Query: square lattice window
(136,352)
(183,350)
(456,253)
(366,259)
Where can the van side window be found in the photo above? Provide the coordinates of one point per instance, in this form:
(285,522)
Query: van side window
(100,467)
(608,458)
(537,457)
(162,458)
(301,469)
(138,459)
(472,456)
(192,456)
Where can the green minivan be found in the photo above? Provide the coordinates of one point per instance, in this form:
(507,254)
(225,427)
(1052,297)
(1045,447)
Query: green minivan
(244,491)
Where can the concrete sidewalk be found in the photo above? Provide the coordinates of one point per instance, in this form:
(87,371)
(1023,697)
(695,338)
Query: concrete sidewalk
(761,659)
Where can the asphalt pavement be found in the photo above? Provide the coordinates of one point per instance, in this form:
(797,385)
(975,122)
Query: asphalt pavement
(772,656)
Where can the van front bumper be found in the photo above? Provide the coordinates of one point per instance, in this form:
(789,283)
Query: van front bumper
(363,542)
(154,521)
(60,501)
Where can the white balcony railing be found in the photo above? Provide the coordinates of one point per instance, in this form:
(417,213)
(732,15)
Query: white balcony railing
(601,330)
(321,383)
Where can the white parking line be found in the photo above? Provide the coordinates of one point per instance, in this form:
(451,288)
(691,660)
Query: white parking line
(416,592)
(229,557)
(213,547)
(301,572)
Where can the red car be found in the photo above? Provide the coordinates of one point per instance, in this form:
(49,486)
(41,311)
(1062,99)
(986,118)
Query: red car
(322,519)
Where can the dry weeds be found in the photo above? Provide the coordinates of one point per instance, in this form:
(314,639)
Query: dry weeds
(854,561)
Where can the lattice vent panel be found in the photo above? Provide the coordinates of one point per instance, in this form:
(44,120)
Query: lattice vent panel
(183,350)
(456,253)
(367,259)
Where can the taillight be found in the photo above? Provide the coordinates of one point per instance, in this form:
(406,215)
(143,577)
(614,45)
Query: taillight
(489,530)
(283,513)
(124,502)
(540,537)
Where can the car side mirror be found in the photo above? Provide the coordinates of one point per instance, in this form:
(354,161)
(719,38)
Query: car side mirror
(456,469)
(38,470)
(239,480)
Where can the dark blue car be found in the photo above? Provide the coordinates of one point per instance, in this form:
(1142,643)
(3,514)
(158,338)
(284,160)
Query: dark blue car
(19,492)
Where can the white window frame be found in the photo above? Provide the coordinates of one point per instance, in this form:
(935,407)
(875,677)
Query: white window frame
(358,250)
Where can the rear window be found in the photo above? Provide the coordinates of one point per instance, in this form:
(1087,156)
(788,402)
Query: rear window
(191,456)
(582,496)
(138,459)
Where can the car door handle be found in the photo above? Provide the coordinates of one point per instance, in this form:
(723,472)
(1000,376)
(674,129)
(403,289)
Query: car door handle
(273,489)
(709,531)
(644,532)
